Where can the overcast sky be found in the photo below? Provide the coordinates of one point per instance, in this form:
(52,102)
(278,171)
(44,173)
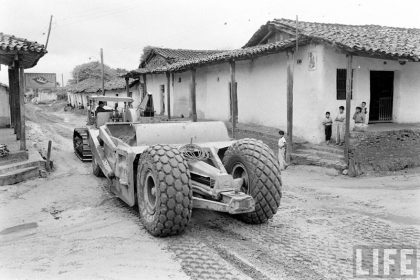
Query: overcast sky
(122,28)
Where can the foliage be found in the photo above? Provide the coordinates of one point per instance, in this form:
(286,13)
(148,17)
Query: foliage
(146,52)
(92,70)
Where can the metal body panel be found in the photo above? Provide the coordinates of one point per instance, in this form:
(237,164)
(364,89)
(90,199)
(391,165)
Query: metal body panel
(117,158)
(99,155)
(111,98)
(180,133)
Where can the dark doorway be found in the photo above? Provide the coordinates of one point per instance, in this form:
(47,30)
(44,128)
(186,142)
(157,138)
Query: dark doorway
(381,96)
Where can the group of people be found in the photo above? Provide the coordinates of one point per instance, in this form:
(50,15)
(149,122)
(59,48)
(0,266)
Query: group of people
(359,118)
(116,112)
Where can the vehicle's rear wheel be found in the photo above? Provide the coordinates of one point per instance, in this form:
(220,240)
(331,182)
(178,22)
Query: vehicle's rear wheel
(164,193)
(256,163)
(96,169)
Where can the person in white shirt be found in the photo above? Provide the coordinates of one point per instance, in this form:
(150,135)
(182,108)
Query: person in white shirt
(282,151)
(364,111)
(340,121)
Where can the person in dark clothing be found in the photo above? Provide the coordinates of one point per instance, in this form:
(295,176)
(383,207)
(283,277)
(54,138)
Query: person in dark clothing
(327,122)
(100,108)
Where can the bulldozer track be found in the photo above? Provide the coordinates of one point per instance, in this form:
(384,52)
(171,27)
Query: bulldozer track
(81,144)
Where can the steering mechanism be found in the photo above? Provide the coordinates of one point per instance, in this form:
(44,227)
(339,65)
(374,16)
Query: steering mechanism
(193,152)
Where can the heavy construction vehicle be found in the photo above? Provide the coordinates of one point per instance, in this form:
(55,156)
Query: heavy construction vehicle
(168,168)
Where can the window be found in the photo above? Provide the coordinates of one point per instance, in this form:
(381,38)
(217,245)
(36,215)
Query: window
(341,84)
(130,94)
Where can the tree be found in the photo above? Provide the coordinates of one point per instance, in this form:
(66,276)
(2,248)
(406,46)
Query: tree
(92,70)
(146,52)
(121,71)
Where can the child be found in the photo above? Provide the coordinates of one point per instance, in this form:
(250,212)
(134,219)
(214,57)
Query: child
(282,150)
(340,120)
(327,122)
(364,110)
(359,119)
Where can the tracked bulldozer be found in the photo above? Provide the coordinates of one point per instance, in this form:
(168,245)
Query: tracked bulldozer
(123,112)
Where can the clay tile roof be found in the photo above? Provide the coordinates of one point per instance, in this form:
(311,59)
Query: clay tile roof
(94,85)
(175,55)
(10,42)
(31,51)
(225,56)
(377,40)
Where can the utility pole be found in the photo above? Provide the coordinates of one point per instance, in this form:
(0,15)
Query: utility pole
(49,31)
(62,80)
(297,37)
(193,97)
(349,76)
(290,76)
(233,97)
(102,74)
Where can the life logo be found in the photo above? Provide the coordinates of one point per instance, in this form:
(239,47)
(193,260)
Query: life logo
(385,262)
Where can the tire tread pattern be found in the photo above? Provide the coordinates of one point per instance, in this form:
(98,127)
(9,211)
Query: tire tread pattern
(174,201)
(264,175)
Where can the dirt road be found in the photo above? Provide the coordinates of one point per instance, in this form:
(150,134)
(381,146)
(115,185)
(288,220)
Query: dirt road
(69,226)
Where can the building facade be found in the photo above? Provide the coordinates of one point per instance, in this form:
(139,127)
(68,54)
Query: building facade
(384,75)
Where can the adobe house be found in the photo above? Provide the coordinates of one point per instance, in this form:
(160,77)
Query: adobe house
(157,84)
(384,74)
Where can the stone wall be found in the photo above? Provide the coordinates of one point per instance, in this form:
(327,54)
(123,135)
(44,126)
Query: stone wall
(385,150)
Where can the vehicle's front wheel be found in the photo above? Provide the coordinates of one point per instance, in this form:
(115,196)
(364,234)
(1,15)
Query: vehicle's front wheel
(256,163)
(164,192)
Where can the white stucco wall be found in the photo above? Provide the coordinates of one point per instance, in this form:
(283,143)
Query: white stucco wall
(136,95)
(181,94)
(406,84)
(4,107)
(45,97)
(262,90)
(153,86)
(407,93)
(213,92)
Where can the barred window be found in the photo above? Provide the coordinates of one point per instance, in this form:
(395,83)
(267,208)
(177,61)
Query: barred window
(341,84)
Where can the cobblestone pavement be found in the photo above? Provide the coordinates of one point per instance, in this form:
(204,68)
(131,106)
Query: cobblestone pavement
(82,231)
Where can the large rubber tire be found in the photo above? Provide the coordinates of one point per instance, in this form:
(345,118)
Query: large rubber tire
(164,192)
(96,169)
(254,161)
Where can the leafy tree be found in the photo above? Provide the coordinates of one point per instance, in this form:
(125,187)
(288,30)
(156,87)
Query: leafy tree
(121,71)
(92,70)
(146,52)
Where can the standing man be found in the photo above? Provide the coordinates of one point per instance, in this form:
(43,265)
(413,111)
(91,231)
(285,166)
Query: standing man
(340,120)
